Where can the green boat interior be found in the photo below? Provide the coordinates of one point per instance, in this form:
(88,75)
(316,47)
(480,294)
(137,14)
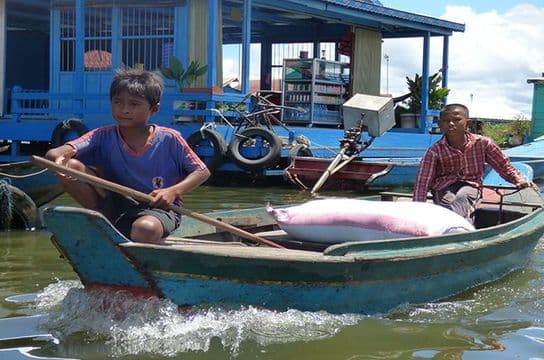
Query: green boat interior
(500,205)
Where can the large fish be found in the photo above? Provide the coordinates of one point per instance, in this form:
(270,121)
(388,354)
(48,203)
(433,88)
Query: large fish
(340,220)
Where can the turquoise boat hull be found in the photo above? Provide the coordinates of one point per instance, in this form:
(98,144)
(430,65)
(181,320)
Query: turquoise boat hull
(354,277)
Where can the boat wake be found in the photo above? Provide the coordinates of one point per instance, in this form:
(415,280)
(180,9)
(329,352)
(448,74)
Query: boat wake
(129,325)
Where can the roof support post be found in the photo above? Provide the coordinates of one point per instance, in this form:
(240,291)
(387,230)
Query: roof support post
(212,42)
(445,65)
(116,42)
(212,52)
(425,83)
(79,85)
(246,46)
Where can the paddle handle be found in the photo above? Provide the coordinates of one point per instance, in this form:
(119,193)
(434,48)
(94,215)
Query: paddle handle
(145,198)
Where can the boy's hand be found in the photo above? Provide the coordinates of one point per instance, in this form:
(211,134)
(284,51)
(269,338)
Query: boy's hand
(61,160)
(163,198)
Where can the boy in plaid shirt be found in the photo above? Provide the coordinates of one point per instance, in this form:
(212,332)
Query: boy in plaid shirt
(452,169)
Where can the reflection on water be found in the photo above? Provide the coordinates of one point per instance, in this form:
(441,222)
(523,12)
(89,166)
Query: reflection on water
(39,295)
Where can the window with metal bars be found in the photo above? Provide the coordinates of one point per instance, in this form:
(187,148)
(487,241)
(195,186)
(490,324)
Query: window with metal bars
(293,51)
(67,39)
(147,37)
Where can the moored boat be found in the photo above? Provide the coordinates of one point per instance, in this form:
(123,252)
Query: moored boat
(204,265)
(358,175)
(531,153)
(25,187)
(365,173)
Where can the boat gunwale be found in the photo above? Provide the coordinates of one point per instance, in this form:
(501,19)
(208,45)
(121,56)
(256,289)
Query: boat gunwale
(501,229)
(327,256)
(360,250)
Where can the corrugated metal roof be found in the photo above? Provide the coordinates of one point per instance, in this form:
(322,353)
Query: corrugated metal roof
(365,13)
(375,7)
(537,80)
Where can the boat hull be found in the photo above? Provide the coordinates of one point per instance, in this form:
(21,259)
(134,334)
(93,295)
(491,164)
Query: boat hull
(530,153)
(356,277)
(40,185)
(356,175)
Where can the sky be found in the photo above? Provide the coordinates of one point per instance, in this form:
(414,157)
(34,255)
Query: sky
(489,63)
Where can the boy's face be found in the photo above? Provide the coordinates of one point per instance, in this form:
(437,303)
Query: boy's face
(454,121)
(130,110)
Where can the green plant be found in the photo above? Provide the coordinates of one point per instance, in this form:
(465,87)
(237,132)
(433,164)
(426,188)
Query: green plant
(183,77)
(437,94)
(520,126)
(496,132)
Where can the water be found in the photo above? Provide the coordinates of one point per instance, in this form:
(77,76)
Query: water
(45,312)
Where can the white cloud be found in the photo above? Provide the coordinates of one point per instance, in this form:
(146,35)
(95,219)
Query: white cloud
(233,57)
(491,60)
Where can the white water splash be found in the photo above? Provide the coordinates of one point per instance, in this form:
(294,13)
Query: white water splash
(132,325)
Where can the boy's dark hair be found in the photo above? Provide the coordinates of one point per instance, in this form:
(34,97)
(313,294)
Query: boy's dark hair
(137,83)
(451,106)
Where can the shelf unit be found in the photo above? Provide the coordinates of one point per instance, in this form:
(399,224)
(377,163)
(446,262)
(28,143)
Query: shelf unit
(317,86)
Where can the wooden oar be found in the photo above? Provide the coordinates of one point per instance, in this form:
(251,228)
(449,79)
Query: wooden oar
(123,190)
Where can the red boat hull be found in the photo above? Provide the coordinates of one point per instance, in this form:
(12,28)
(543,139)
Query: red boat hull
(356,175)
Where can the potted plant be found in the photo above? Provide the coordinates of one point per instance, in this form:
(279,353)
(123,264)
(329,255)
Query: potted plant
(183,77)
(437,94)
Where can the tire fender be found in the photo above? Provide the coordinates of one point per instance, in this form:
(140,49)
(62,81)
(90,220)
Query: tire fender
(209,138)
(61,132)
(268,155)
(24,213)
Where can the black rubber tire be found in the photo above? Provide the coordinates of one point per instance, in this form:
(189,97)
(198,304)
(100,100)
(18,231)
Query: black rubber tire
(267,155)
(62,131)
(209,138)
(300,150)
(24,211)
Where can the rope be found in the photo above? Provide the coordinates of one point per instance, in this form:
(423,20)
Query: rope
(6,205)
(11,176)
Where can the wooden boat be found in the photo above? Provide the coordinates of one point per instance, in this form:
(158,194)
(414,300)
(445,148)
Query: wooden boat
(358,174)
(531,153)
(375,173)
(204,265)
(28,187)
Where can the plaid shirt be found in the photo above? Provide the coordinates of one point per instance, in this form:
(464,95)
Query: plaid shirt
(442,165)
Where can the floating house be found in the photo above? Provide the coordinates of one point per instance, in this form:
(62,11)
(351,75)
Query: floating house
(60,56)
(537,117)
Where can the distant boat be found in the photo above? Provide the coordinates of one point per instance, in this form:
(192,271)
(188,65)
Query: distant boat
(531,153)
(26,187)
(368,172)
(358,175)
(203,265)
